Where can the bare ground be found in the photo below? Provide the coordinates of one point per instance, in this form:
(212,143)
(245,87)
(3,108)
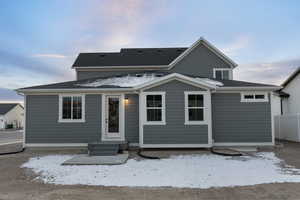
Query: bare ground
(17,183)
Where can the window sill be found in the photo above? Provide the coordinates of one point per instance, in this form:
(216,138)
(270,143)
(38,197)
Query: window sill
(254,101)
(154,123)
(196,123)
(71,121)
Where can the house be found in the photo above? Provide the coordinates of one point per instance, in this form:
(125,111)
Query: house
(11,115)
(290,93)
(151,98)
(287,124)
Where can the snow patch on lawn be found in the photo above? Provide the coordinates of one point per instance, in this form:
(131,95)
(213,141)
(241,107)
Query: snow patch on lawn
(188,171)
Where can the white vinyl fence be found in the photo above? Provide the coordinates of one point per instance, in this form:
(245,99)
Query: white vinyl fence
(287,127)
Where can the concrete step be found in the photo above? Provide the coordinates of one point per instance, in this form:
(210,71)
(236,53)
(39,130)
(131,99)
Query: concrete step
(103,149)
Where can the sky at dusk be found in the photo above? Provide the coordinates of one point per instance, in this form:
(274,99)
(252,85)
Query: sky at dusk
(40,39)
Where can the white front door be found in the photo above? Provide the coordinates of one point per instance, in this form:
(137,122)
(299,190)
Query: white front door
(113,122)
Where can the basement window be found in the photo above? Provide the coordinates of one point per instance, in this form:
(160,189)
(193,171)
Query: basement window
(71,108)
(254,97)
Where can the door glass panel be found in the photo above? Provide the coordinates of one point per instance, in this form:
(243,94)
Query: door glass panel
(67,103)
(113,115)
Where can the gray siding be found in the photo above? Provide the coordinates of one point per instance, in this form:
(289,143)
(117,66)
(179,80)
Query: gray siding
(42,121)
(175,132)
(132,118)
(235,121)
(200,62)
(92,74)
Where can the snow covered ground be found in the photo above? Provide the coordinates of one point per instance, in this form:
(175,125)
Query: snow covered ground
(190,171)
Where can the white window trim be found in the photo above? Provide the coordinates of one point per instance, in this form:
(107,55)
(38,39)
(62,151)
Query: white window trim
(60,119)
(230,76)
(205,108)
(163,108)
(121,115)
(266,99)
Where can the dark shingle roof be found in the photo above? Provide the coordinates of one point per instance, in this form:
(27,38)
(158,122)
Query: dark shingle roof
(234,83)
(5,107)
(129,57)
(78,84)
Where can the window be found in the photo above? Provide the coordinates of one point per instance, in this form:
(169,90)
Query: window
(254,97)
(71,108)
(222,73)
(155,108)
(195,108)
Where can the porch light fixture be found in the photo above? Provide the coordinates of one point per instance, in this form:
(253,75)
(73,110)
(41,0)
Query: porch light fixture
(126,100)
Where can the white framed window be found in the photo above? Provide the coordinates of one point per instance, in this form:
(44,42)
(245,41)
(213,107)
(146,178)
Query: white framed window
(71,108)
(254,97)
(223,73)
(155,108)
(195,107)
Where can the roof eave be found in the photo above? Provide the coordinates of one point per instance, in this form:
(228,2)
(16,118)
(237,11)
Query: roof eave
(250,88)
(56,90)
(121,67)
(291,77)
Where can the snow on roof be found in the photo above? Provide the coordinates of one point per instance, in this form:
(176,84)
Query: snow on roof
(124,81)
(136,80)
(213,82)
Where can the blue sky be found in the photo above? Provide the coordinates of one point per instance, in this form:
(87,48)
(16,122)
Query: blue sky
(40,39)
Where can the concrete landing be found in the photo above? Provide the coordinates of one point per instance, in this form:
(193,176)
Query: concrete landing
(98,160)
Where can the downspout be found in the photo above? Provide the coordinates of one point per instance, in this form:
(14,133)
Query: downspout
(281,112)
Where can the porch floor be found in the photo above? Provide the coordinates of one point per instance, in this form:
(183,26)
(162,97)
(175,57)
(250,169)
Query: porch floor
(84,159)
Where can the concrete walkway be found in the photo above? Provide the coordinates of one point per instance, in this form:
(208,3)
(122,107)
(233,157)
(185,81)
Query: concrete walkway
(85,159)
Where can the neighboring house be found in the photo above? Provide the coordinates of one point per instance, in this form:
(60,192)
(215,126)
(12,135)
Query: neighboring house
(151,98)
(11,114)
(291,88)
(288,123)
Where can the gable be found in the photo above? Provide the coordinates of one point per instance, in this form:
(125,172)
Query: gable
(175,85)
(200,62)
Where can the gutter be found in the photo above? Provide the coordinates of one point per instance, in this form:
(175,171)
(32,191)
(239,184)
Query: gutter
(86,68)
(76,90)
(268,88)
(99,90)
